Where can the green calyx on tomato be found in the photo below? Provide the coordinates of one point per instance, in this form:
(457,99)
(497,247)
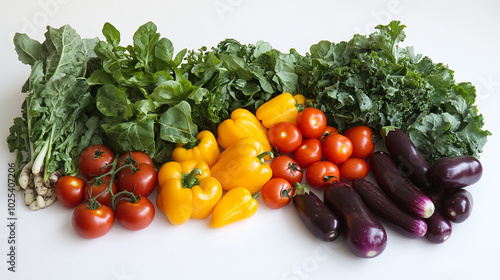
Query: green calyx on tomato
(134,174)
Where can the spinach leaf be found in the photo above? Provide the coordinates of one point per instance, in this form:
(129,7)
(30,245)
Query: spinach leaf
(176,124)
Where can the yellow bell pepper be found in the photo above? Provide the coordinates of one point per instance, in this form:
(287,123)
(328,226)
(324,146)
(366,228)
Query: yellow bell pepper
(242,124)
(186,195)
(300,100)
(204,149)
(174,170)
(242,165)
(282,108)
(236,205)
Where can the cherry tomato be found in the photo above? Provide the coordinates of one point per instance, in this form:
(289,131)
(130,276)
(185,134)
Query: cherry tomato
(337,148)
(328,130)
(361,138)
(285,137)
(354,168)
(135,215)
(93,158)
(139,157)
(322,173)
(311,122)
(69,191)
(93,189)
(142,182)
(92,223)
(287,168)
(309,151)
(277,193)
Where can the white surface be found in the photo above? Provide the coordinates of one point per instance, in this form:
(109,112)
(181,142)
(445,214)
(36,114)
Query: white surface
(273,244)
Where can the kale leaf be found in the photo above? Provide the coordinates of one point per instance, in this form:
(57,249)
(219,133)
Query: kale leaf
(371,80)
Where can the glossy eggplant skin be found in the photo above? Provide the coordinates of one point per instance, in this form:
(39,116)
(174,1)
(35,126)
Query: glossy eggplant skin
(406,155)
(382,206)
(365,235)
(439,228)
(455,172)
(398,187)
(316,216)
(457,205)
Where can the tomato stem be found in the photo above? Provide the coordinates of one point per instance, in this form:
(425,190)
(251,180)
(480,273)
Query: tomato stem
(129,163)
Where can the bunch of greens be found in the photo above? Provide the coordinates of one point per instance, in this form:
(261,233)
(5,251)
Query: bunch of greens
(56,122)
(144,99)
(371,80)
(241,76)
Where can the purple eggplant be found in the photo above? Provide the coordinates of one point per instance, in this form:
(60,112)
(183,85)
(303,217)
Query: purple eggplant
(397,186)
(382,206)
(406,155)
(456,205)
(455,172)
(315,215)
(365,235)
(438,226)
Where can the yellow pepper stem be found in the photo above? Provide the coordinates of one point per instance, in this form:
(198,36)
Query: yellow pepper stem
(263,155)
(190,180)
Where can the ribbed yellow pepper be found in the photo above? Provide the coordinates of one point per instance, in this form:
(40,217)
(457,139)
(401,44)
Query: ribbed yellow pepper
(242,165)
(242,124)
(282,108)
(236,205)
(190,194)
(204,149)
(174,170)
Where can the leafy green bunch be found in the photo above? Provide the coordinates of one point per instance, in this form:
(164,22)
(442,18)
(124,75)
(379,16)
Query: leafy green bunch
(56,122)
(372,80)
(143,97)
(241,76)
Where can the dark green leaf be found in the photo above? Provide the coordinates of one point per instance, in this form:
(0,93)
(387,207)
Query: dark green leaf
(28,50)
(111,33)
(145,40)
(112,102)
(131,136)
(176,124)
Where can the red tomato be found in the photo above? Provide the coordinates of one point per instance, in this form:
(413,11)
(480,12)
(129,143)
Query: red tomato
(70,191)
(328,130)
(139,157)
(92,189)
(311,122)
(135,215)
(337,148)
(92,223)
(93,158)
(142,182)
(277,193)
(285,137)
(309,151)
(354,168)
(287,168)
(361,138)
(322,173)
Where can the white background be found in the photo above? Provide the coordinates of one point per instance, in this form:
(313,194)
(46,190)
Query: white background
(273,244)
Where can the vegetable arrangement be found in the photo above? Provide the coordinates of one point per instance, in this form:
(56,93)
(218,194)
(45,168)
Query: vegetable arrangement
(211,129)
